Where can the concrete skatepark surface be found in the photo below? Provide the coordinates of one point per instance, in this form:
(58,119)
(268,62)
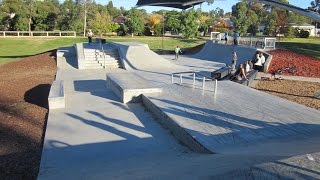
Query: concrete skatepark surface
(97,137)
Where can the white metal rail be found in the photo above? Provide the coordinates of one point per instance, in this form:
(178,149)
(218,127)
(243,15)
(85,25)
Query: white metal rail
(37,34)
(180,75)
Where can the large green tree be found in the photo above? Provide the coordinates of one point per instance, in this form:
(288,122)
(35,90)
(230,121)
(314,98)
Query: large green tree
(239,17)
(136,21)
(315,6)
(190,23)
(173,21)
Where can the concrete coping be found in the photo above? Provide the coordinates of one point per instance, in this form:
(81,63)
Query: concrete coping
(129,86)
(56,97)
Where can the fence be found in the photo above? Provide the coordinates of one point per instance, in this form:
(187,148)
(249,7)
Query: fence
(258,42)
(37,34)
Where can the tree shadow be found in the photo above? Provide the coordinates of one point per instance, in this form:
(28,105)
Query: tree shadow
(228,129)
(38,95)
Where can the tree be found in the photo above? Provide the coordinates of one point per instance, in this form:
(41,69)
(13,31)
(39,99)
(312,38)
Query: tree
(135,21)
(271,25)
(239,17)
(173,21)
(113,11)
(205,22)
(190,24)
(315,6)
(254,22)
(102,23)
(153,20)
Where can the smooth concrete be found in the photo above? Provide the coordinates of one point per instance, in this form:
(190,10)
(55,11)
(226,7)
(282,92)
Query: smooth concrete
(255,135)
(129,86)
(56,99)
(223,53)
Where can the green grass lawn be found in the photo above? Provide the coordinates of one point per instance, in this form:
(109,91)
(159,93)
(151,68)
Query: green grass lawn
(307,46)
(13,48)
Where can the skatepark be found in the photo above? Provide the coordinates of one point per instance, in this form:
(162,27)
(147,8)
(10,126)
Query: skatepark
(129,113)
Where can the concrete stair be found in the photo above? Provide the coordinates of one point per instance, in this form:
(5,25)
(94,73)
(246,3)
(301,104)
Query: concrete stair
(96,59)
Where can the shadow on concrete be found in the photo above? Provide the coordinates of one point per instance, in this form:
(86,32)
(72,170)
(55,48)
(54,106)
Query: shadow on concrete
(231,129)
(70,55)
(96,88)
(38,95)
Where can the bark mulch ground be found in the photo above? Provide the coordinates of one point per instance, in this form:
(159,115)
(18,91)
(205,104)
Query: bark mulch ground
(306,66)
(24,89)
(297,91)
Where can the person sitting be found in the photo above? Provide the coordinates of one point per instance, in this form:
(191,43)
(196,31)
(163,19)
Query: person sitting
(240,74)
(248,66)
(258,63)
(263,59)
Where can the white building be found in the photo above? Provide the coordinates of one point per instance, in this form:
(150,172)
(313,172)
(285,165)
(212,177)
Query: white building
(306,27)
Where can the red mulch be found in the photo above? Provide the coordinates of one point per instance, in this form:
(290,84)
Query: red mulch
(24,89)
(306,66)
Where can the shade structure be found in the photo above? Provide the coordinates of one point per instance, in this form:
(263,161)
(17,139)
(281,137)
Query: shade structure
(181,4)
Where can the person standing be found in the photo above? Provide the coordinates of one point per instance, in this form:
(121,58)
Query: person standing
(177,51)
(235,38)
(226,36)
(90,35)
(234,61)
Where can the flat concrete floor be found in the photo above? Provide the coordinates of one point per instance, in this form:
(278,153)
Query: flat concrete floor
(96,137)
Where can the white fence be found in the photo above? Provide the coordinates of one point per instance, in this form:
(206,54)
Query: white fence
(258,42)
(37,34)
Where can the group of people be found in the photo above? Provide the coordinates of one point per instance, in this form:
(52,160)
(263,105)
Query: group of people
(243,70)
(235,37)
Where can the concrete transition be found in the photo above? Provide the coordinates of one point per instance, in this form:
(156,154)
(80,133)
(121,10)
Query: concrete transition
(240,132)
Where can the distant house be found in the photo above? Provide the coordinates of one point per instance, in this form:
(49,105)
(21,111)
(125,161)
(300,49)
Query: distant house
(120,19)
(306,27)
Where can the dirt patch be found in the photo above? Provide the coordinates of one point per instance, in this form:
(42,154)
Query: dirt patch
(296,91)
(24,88)
(303,65)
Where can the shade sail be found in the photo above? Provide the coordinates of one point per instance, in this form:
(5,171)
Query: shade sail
(181,4)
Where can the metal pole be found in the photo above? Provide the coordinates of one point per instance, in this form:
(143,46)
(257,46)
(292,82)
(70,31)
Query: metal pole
(85,19)
(171,78)
(194,78)
(203,82)
(162,28)
(180,78)
(216,87)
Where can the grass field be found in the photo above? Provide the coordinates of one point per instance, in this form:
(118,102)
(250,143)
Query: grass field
(308,46)
(13,48)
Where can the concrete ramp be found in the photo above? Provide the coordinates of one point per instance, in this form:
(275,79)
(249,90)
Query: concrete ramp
(223,53)
(138,56)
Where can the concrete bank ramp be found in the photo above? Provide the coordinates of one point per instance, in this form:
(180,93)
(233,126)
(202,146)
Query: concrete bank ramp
(238,120)
(138,56)
(223,53)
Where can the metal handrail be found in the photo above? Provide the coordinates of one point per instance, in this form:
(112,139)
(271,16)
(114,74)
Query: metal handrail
(104,55)
(194,79)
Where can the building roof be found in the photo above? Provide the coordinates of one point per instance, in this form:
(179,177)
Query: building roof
(180,4)
(303,24)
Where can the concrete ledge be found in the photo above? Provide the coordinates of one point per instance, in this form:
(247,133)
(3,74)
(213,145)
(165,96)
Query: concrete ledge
(80,55)
(129,87)
(56,97)
(268,61)
(179,132)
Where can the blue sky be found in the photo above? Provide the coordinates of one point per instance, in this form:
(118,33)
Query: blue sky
(224,4)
